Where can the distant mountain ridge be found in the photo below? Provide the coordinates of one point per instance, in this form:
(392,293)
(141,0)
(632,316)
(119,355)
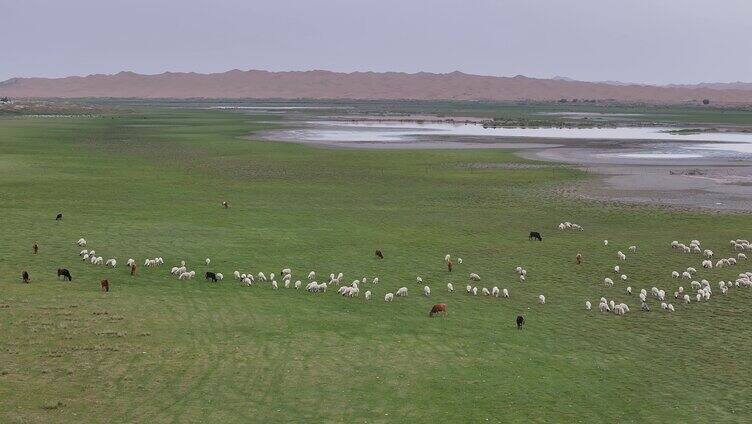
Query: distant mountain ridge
(317,84)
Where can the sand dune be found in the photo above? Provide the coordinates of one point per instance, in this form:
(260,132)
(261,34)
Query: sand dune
(357,85)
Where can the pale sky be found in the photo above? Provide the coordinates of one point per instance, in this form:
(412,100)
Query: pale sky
(651,41)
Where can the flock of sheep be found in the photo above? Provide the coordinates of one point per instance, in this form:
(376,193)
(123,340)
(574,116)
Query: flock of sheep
(701,289)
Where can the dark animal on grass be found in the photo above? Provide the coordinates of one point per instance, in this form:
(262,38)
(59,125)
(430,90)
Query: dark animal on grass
(437,309)
(449,265)
(578,258)
(520,321)
(25,277)
(105,285)
(36,248)
(62,272)
(59,217)
(645,307)
(534,235)
(225,205)
(379,254)
(211,276)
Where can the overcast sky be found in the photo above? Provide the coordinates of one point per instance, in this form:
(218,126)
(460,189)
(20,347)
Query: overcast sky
(653,41)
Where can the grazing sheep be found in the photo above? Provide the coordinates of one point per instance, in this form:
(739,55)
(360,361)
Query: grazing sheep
(687,275)
(686,298)
(664,305)
(623,277)
(368,295)
(274,285)
(542,299)
(611,304)
(459,261)
(450,287)
(474,277)
(388,297)
(495,291)
(261,277)
(447,258)
(608,282)
(675,274)
(375,280)
(629,290)
(85,257)
(418,280)
(111,263)
(469,288)
(633,249)
(522,278)
(588,306)
(83,252)
(642,297)
(311,275)
(605,242)
(287,283)
(691,270)
(742,256)
(671,307)
(645,307)
(505,293)
(426,291)
(184,276)
(297,284)
(621,256)
(603,307)
(437,309)
(219,276)
(617,269)
(81,242)
(475,291)
(485,292)
(402,292)
(207,260)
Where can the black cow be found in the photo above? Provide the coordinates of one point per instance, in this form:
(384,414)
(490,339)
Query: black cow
(62,272)
(379,254)
(59,217)
(211,276)
(25,277)
(520,321)
(534,235)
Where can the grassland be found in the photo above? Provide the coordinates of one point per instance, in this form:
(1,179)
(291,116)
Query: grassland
(148,182)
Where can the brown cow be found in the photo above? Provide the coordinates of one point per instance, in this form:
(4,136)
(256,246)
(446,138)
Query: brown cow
(36,248)
(62,272)
(449,265)
(379,254)
(438,308)
(105,285)
(25,277)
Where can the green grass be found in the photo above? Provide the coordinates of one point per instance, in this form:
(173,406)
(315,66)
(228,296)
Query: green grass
(148,182)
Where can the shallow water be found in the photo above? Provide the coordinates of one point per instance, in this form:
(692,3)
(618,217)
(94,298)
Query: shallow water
(664,144)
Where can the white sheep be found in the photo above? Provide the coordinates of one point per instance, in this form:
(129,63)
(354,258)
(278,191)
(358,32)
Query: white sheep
(418,280)
(686,298)
(475,291)
(522,278)
(469,288)
(542,299)
(447,258)
(691,270)
(388,297)
(261,277)
(298,284)
(664,305)
(686,274)
(85,257)
(311,275)
(588,306)
(486,292)
(274,285)
(286,271)
(629,289)
(605,242)
(495,291)
(474,277)
(459,260)
(81,242)
(617,269)
(111,262)
(375,280)
(633,249)
(742,256)
(621,256)
(642,297)
(671,307)
(450,287)
(603,307)
(83,252)
(368,295)
(287,283)
(184,275)
(219,276)
(246,281)
(623,277)
(426,291)
(207,260)
(402,292)
(608,282)
(505,293)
